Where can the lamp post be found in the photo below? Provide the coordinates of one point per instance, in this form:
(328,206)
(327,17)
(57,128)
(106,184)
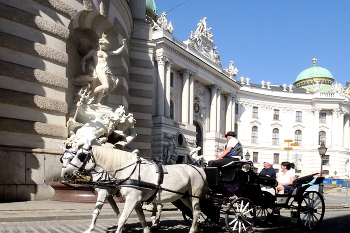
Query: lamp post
(247,156)
(322,151)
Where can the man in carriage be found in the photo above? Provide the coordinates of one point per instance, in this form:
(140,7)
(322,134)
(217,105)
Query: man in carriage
(233,151)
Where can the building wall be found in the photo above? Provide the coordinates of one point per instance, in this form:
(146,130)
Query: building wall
(36,62)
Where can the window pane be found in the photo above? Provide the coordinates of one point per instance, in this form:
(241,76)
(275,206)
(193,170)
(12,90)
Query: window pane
(254,134)
(275,136)
(322,117)
(255,157)
(322,137)
(276,158)
(255,112)
(236,108)
(276,114)
(297,137)
(298,116)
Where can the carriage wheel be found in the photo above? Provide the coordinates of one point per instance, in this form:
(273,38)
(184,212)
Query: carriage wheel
(265,215)
(202,219)
(311,210)
(240,216)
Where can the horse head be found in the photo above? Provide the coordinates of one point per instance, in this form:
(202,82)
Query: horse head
(70,154)
(79,164)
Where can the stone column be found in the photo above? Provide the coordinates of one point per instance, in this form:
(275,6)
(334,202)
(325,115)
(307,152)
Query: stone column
(229,113)
(335,132)
(185,95)
(191,97)
(316,125)
(167,89)
(161,59)
(218,110)
(213,109)
(346,130)
(233,114)
(341,141)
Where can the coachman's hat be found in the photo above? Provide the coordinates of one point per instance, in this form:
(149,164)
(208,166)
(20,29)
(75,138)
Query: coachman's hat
(230,133)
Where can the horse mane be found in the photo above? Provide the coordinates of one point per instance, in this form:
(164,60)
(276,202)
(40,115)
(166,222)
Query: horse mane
(112,159)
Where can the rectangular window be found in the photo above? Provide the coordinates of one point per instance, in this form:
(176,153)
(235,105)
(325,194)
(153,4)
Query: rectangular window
(171,79)
(236,108)
(298,116)
(276,114)
(276,158)
(255,157)
(322,117)
(275,136)
(255,112)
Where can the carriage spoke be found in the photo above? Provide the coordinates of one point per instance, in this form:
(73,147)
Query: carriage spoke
(311,209)
(240,216)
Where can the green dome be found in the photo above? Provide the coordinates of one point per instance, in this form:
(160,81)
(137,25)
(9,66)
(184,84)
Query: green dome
(314,72)
(315,75)
(151,5)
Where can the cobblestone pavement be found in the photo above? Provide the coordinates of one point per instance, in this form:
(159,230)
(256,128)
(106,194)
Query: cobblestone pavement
(335,221)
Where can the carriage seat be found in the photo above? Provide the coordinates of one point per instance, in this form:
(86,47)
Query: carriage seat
(299,181)
(212,174)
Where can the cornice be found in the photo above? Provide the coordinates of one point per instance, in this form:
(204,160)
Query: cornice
(207,67)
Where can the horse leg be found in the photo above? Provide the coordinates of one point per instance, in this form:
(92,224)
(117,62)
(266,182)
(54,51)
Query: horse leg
(129,206)
(156,213)
(114,207)
(193,204)
(141,215)
(101,197)
(195,211)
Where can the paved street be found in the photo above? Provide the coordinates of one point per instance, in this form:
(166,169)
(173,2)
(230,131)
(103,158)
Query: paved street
(66,217)
(334,221)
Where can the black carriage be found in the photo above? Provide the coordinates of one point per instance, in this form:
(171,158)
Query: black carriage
(243,197)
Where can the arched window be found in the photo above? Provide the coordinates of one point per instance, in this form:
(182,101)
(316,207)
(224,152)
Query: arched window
(254,134)
(171,109)
(275,136)
(297,137)
(322,137)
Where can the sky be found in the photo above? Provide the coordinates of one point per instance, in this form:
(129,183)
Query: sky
(270,40)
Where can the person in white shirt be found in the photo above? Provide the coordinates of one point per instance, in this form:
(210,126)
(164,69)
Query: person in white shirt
(233,151)
(286,177)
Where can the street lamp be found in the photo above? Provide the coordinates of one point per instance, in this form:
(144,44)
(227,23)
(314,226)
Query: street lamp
(247,156)
(322,151)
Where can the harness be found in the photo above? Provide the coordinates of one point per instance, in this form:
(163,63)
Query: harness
(136,183)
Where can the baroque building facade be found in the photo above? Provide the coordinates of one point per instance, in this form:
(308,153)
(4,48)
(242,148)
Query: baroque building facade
(178,92)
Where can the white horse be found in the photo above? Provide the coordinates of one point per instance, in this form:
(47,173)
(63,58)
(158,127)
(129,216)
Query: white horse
(97,174)
(139,182)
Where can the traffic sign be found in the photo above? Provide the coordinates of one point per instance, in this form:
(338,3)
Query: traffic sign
(288,148)
(294,144)
(288,140)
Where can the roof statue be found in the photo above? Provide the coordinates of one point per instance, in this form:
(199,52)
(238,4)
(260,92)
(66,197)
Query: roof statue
(202,41)
(162,24)
(232,71)
(317,87)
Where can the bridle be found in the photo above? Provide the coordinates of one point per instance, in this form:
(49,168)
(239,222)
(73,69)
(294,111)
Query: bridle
(87,153)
